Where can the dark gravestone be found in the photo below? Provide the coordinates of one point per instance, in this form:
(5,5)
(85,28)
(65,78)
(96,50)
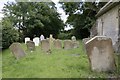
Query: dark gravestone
(30,45)
(100,53)
(17,51)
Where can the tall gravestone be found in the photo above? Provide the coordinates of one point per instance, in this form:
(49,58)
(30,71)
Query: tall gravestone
(57,44)
(45,46)
(100,52)
(17,51)
(30,45)
(68,44)
(27,39)
(36,41)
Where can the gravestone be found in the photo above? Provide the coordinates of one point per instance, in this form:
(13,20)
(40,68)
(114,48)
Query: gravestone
(100,52)
(68,44)
(45,46)
(58,44)
(42,37)
(30,45)
(17,51)
(27,39)
(36,41)
(84,41)
(73,38)
(76,44)
(51,39)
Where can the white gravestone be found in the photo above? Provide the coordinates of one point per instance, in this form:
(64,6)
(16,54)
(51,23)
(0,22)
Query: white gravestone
(36,41)
(42,37)
(27,39)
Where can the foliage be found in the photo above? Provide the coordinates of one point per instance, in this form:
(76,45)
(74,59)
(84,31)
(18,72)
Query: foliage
(65,35)
(9,34)
(81,16)
(34,18)
(61,63)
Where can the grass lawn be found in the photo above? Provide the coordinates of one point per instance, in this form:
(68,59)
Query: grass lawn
(60,64)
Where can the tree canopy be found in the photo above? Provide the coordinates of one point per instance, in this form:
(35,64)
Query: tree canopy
(81,16)
(34,18)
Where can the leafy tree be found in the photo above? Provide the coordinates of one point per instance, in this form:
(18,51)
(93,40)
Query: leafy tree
(81,16)
(9,34)
(34,18)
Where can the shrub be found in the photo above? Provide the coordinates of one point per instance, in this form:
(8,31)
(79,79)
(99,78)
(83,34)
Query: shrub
(9,34)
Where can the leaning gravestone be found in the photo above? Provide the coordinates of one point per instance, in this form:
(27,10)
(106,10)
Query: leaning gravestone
(36,41)
(17,51)
(27,39)
(45,45)
(58,44)
(73,38)
(68,44)
(100,52)
(30,45)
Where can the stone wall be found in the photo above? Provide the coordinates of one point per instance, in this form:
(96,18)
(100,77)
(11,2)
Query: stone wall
(108,24)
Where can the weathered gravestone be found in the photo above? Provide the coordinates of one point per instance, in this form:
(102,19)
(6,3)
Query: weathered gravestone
(30,45)
(68,44)
(36,41)
(51,39)
(45,46)
(75,44)
(27,39)
(84,41)
(73,38)
(17,51)
(58,44)
(100,52)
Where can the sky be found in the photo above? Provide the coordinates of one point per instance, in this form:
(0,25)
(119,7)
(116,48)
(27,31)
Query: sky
(59,10)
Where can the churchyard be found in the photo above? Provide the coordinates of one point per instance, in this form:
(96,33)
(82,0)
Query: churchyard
(58,63)
(36,44)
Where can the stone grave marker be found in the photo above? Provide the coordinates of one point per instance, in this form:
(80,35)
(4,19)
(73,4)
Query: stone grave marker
(27,39)
(76,44)
(30,45)
(100,52)
(57,44)
(42,37)
(36,41)
(73,38)
(84,41)
(45,46)
(68,44)
(17,51)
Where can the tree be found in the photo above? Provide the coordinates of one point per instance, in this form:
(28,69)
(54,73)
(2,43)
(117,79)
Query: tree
(34,18)
(9,34)
(81,16)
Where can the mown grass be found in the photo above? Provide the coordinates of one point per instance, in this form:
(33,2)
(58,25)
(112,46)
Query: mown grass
(59,64)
